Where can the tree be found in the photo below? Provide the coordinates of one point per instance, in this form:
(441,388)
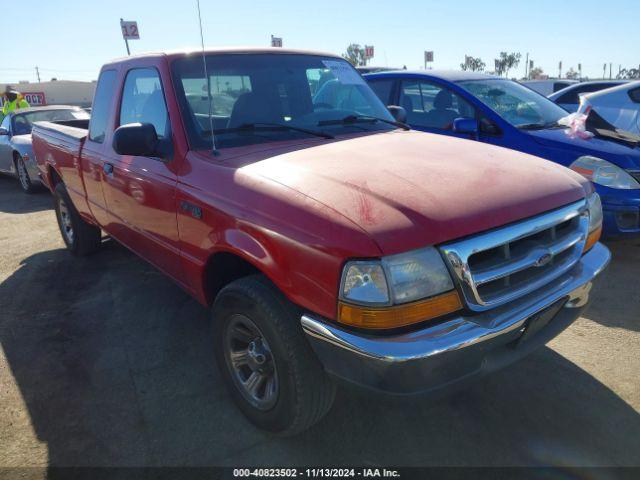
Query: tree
(355,55)
(572,74)
(629,74)
(473,64)
(536,73)
(506,62)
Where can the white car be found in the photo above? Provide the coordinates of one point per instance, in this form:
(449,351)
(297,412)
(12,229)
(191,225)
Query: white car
(547,87)
(569,97)
(620,106)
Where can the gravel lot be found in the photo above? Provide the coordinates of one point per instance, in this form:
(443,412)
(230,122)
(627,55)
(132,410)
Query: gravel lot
(104,361)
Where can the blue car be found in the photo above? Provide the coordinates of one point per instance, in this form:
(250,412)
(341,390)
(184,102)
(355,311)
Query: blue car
(503,112)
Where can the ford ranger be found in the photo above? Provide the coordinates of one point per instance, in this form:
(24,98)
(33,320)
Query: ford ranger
(332,243)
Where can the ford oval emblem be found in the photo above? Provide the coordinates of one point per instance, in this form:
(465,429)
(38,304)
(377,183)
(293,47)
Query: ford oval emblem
(544,259)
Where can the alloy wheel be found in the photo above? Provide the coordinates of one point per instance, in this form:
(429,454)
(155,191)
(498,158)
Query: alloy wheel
(250,362)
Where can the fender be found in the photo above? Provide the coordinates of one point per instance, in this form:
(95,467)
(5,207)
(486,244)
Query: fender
(251,256)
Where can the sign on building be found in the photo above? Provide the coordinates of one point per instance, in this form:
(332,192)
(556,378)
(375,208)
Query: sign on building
(129,30)
(276,41)
(35,99)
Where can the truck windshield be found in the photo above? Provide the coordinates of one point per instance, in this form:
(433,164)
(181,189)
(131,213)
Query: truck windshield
(258,98)
(517,104)
(23,123)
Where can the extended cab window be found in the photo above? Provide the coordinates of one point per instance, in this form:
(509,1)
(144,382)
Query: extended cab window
(432,106)
(101,104)
(143,100)
(259,98)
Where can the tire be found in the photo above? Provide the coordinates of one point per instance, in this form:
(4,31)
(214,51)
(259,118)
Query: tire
(80,237)
(303,393)
(23,175)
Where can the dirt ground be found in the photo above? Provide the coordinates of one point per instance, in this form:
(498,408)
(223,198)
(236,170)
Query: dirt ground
(105,362)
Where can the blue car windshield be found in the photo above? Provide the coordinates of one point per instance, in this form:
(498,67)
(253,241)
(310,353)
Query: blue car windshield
(515,103)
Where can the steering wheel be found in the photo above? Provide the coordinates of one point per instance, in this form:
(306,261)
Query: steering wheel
(328,106)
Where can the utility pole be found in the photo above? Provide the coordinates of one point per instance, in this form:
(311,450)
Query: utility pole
(526,67)
(560,69)
(38,74)
(610,68)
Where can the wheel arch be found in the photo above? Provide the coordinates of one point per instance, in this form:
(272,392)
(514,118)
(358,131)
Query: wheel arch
(238,256)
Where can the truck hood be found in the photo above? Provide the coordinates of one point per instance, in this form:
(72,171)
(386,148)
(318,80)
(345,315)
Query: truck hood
(616,153)
(409,189)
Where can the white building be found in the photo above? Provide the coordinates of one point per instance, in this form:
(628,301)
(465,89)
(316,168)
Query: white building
(56,92)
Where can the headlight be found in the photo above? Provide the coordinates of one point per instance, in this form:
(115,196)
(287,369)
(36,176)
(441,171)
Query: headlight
(604,173)
(397,290)
(415,275)
(595,220)
(365,283)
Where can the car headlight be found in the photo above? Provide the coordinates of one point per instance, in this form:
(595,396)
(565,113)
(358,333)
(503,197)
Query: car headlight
(604,173)
(397,290)
(595,220)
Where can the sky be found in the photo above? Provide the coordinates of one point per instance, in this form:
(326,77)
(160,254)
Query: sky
(70,39)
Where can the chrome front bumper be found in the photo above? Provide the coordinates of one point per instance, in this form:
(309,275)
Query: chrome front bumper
(458,349)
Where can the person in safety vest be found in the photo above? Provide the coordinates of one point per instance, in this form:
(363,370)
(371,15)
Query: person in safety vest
(12,101)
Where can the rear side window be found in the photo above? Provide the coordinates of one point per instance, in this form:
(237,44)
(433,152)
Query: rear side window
(574,95)
(382,88)
(557,86)
(143,100)
(100,107)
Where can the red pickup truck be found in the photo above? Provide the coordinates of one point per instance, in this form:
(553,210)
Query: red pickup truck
(330,242)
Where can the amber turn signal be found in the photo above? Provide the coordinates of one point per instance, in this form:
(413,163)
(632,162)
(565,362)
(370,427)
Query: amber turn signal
(592,239)
(399,315)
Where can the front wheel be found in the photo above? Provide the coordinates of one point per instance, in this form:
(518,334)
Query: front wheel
(80,237)
(267,364)
(23,175)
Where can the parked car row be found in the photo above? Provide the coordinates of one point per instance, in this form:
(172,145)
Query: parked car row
(502,112)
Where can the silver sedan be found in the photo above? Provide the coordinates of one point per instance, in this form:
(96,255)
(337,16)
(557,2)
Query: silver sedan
(16,154)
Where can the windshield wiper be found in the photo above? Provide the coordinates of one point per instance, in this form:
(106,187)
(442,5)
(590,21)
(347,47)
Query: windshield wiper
(363,118)
(255,126)
(538,126)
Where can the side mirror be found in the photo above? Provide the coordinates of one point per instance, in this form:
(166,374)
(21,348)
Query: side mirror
(465,125)
(138,139)
(399,113)
(4,131)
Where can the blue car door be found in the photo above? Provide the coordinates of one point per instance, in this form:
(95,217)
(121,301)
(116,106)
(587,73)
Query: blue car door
(432,107)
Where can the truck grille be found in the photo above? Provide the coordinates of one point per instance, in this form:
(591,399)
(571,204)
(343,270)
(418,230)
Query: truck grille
(501,265)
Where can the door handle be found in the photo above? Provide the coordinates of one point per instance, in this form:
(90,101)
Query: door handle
(107,168)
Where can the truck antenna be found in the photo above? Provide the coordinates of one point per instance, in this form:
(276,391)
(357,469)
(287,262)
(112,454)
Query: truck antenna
(209,96)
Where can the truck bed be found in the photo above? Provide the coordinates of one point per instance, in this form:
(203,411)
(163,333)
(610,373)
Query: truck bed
(57,148)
